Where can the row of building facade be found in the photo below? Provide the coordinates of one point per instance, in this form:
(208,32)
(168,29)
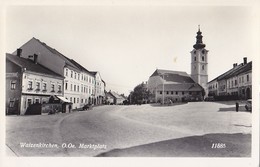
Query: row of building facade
(236,83)
(35,71)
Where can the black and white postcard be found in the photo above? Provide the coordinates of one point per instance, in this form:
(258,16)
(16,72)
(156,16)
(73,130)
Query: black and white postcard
(149,83)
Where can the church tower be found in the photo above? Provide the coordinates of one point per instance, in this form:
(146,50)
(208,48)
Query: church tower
(199,62)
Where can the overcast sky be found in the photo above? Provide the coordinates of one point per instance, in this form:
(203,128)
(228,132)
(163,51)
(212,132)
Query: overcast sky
(127,43)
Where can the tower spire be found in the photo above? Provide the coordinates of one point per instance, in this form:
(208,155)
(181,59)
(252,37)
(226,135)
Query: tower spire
(199,44)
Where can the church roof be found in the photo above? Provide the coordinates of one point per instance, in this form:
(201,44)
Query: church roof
(173,76)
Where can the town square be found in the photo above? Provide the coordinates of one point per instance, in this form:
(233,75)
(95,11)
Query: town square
(145,81)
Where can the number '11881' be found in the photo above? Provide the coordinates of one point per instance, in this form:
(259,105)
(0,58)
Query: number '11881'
(218,145)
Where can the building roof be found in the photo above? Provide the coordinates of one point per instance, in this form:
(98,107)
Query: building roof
(239,69)
(80,66)
(29,65)
(54,51)
(173,76)
(115,95)
(181,87)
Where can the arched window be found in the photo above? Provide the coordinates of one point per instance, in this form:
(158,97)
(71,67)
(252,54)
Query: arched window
(202,58)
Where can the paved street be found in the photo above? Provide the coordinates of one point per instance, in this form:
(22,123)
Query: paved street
(181,130)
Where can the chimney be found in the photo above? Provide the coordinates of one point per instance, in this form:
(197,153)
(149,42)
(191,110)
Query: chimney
(245,60)
(234,65)
(35,58)
(19,52)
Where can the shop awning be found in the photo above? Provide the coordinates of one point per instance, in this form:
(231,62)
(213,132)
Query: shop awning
(63,99)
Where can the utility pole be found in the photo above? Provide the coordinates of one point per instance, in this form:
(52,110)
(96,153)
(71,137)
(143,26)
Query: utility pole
(163,90)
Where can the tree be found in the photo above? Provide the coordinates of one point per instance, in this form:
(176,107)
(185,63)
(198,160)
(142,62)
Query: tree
(139,95)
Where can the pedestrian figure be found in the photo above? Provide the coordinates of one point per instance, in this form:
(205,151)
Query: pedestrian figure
(69,108)
(237,106)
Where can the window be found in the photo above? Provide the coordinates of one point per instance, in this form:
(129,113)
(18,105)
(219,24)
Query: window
(202,67)
(75,75)
(182,93)
(71,74)
(235,82)
(71,87)
(66,72)
(247,78)
(59,88)
(203,51)
(13,85)
(78,88)
(172,92)
(74,100)
(160,92)
(38,86)
(78,76)
(11,103)
(167,92)
(77,100)
(195,52)
(176,93)
(30,83)
(75,88)
(29,102)
(195,58)
(202,58)
(52,88)
(70,99)
(81,100)
(66,86)
(44,87)
(37,101)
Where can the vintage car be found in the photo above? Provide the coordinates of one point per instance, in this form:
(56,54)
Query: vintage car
(87,107)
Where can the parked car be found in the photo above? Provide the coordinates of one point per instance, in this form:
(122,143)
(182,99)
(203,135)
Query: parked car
(248,105)
(87,107)
(210,98)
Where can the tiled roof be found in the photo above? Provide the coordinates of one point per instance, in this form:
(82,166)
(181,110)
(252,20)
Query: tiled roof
(30,65)
(181,87)
(173,76)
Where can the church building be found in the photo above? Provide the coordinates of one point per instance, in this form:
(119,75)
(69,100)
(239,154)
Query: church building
(177,86)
